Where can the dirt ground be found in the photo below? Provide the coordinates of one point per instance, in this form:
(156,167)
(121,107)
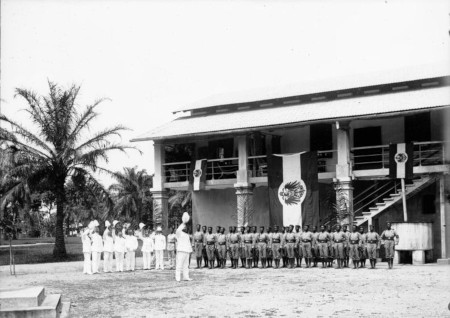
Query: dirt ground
(405,291)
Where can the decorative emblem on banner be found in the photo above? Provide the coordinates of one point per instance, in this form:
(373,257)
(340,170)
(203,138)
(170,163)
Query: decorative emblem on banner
(401,157)
(292,192)
(197,173)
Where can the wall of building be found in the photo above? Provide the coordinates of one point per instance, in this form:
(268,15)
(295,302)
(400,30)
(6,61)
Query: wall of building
(392,129)
(295,139)
(416,214)
(218,207)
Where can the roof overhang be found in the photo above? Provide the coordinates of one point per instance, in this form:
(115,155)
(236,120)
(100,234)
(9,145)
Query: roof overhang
(361,107)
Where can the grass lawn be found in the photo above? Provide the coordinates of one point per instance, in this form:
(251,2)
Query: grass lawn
(33,254)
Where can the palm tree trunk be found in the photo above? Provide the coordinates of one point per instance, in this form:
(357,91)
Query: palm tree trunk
(59,251)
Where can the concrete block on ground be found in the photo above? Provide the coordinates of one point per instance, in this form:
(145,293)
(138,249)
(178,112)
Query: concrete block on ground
(27,297)
(49,308)
(418,257)
(443,261)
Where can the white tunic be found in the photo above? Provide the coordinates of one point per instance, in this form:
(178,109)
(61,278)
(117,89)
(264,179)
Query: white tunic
(97,243)
(160,242)
(147,245)
(131,243)
(119,244)
(108,244)
(86,242)
(183,240)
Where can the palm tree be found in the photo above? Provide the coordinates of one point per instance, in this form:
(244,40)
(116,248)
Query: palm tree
(133,196)
(179,202)
(57,151)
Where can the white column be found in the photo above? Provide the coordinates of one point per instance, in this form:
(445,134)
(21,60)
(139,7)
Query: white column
(244,189)
(343,182)
(160,198)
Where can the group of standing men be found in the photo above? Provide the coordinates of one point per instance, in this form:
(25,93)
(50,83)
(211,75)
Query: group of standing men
(290,244)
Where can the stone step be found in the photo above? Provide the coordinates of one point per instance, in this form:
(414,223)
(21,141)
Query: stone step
(367,213)
(388,199)
(373,209)
(359,218)
(65,309)
(381,204)
(25,297)
(49,308)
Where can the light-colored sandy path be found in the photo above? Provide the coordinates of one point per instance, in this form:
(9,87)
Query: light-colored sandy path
(405,291)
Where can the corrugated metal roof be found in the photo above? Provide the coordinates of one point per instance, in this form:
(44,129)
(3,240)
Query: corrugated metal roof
(320,86)
(363,106)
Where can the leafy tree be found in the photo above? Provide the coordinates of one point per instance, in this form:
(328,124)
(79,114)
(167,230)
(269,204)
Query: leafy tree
(179,202)
(133,199)
(61,147)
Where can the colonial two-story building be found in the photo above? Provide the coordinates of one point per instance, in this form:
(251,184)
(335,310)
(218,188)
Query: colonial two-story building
(350,122)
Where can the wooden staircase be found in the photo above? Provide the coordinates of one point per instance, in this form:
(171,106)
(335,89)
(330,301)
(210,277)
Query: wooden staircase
(388,196)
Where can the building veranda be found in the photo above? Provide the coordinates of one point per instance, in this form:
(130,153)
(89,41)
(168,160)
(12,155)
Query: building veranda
(350,124)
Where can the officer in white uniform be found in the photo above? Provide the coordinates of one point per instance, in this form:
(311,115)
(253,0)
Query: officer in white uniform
(159,246)
(184,250)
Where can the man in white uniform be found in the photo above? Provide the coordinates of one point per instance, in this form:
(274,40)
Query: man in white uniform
(184,249)
(159,246)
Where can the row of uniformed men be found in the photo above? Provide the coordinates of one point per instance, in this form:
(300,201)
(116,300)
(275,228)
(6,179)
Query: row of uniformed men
(290,244)
(121,242)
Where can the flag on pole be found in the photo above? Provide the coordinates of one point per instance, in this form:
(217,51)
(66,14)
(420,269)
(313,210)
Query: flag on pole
(197,178)
(401,158)
(293,189)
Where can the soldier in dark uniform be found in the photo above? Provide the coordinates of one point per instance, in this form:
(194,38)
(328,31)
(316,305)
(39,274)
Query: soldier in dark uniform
(307,243)
(255,251)
(323,242)
(276,241)
(262,239)
(389,238)
(216,251)
(362,249)
(233,244)
(269,247)
(289,245)
(315,247)
(339,239)
(205,256)
(297,231)
(354,242)
(373,244)
(346,246)
(242,247)
(247,238)
(283,248)
(198,245)
(210,242)
(221,246)
(330,247)
(230,230)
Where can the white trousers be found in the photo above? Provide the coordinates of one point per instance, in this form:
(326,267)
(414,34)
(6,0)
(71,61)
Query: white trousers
(87,269)
(182,266)
(96,261)
(159,255)
(107,261)
(119,261)
(130,260)
(147,259)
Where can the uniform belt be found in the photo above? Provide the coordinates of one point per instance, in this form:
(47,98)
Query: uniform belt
(234,242)
(291,241)
(263,241)
(338,241)
(248,242)
(275,241)
(170,242)
(198,241)
(222,243)
(389,238)
(210,243)
(372,241)
(354,241)
(306,241)
(322,241)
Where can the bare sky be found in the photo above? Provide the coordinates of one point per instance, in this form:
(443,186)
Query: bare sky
(153,57)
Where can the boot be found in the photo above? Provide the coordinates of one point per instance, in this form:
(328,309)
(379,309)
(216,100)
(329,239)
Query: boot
(210,265)
(223,263)
(354,264)
(242,263)
(323,264)
(206,263)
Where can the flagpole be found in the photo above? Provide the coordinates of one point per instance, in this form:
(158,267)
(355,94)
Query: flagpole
(405,213)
